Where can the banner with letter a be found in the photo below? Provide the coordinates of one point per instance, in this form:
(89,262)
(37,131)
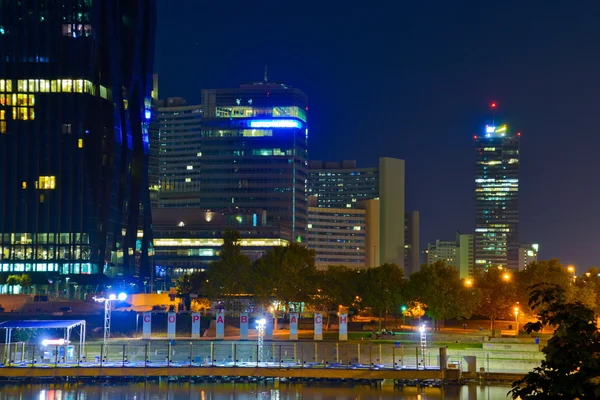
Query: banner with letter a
(293,326)
(195,325)
(318,326)
(343,326)
(147,326)
(244,326)
(171,321)
(220,326)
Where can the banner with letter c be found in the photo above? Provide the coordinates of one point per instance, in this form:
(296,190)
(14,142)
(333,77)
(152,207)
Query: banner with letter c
(171,321)
(318,326)
(147,325)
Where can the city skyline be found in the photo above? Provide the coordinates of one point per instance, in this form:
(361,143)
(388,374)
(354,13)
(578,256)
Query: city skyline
(414,82)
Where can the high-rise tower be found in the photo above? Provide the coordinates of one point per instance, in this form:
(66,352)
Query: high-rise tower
(75,84)
(497,198)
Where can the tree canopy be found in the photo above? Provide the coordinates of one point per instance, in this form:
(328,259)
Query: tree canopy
(571,368)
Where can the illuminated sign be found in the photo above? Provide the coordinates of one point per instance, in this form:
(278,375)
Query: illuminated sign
(275,123)
(495,129)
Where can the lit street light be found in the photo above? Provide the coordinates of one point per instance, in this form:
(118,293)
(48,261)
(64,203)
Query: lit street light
(468,283)
(260,325)
(517,319)
(107,311)
(506,276)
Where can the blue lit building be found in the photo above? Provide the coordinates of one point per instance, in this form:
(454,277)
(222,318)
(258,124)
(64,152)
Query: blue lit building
(240,149)
(75,83)
(496,240)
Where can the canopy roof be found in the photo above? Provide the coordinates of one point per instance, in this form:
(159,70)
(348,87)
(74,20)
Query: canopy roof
(38,324)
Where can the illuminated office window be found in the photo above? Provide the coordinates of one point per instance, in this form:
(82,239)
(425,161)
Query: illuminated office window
(80,143)
(2,115)
(78,85)
(24,185)
(2,126)
(22,85)
(67,85)
(46,182)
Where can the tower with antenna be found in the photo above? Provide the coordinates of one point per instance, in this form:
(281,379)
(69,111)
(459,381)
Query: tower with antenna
(266,77)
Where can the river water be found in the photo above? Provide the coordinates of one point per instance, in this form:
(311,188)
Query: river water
(244,391)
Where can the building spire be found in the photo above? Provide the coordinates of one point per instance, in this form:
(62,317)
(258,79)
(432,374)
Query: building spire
(266,80)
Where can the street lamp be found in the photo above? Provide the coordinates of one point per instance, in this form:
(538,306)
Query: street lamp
(468,283)
(517,319)
(506,276)
(423,343)
(107,311)
(403,308)
(260,325)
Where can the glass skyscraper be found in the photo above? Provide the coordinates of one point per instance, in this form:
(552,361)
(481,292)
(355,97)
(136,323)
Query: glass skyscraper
(75,85)
(497,198)
(237,160)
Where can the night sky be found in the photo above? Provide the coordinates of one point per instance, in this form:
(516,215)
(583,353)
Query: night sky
(414,80)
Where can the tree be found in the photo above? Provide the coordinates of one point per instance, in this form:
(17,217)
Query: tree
(184,288)
(587,290)
(571,369)
(552,272)
(335,287)
(381,289)
(26,282)
(497,293)
(286,272)
(230,274)
(12,281)
(440,288)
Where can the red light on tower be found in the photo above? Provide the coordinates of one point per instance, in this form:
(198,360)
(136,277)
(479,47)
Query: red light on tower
(518,133)
(493,105)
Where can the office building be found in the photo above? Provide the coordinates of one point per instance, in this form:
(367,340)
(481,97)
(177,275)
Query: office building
(380,193)
(497,198)
(442,251)
(189,239)
(465,261)
(338,235)
(528,253)
(457,253)
(240,149)
(75,83)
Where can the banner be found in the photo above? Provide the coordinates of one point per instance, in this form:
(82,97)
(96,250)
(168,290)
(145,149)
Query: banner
(244,326)
(269,327)
(171,320)
(147,326)
(318,326)
(293,326)
(220,326)
(195,325)
(343,326)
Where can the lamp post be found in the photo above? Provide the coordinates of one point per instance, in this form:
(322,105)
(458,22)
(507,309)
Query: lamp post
(423,343)
(260,325)
(517,319)
(107,311)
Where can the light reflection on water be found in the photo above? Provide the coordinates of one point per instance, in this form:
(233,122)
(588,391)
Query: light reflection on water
(231,391)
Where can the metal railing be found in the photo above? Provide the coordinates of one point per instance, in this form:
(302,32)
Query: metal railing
(180,353)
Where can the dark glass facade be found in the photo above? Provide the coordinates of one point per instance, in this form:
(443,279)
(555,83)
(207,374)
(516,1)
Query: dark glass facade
(496,238)
(75,84)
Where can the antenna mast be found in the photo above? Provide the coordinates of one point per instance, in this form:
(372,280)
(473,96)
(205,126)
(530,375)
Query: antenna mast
(266,80)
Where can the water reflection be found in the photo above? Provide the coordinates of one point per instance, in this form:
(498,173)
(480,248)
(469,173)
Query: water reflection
(231,391)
